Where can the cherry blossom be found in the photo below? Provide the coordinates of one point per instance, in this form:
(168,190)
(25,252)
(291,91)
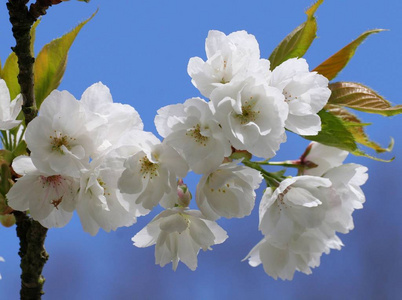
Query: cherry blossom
(191,129)
(228,191)
(178,235)
(100,203)
(346,189)
(323,157)
(9,110)
(49,198)
(119,118)
(300,254)
(151,171)
(297,204)
(252,116)
(62,138)
(305,92)
(229,58)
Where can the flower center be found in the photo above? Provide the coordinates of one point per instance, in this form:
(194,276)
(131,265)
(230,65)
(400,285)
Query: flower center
(148,168)
(280,200)
(223,188)
(55,186)
(195,133)
(59,140)
(288,96)
(248,114)
(103,185)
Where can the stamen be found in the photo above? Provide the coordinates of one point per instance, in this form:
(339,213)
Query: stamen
(59,140)
(195,133)
(248,114)
(148,168)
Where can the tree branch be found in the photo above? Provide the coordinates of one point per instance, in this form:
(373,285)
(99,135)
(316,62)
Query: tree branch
(32,234)
(22,20)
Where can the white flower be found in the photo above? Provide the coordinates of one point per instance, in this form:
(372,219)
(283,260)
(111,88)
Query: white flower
(346,181)
(9,110)
(100,203)
(299,254)
(2,260)
(345,192)
(49,198)
(301,217)
(179,235)
(228,191)
(151,170)
(297,204)
(229,58)
(305,92)
(119,117)
(191,129)
(324,157)
(252,116)
(60,138)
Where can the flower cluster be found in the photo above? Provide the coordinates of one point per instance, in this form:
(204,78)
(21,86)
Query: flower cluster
(300,218)
(72,165)
(251,104)
(92,156)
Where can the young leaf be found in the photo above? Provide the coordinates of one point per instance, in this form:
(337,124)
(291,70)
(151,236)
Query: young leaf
(333,133)
(6,156)
(51,63)
(10,71)
(359,152)
(21,149)
(333,65)
(356,128)
(362,98)
(33,35)
(296,43)
(336,132)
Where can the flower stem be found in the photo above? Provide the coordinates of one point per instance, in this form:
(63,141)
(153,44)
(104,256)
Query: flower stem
(286,163)
(272,179)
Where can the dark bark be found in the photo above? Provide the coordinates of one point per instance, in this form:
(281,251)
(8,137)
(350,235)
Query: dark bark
(31,233)
(33,256)
(22,19)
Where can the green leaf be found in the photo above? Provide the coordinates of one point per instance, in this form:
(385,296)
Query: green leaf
(52,61)
(21,149)
(33,35)
(359,97)
(333,133)
(6,156)
(10,71)
(296,43)
(359,152)
(356,128)
(333,65)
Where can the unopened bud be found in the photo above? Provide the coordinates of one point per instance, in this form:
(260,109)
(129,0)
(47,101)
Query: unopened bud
(183,194)
(7,220)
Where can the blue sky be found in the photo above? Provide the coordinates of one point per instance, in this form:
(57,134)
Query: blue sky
(140,50)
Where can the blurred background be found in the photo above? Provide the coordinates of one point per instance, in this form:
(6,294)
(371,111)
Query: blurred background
(140,50)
